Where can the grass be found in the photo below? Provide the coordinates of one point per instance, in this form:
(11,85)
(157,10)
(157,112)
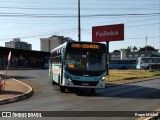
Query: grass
(118,75)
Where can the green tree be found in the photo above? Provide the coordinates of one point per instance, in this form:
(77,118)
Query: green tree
(116,51)
(128,49)
(134,49)
(148,48)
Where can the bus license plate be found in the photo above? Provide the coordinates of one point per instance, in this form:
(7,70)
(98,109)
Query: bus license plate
(85,84)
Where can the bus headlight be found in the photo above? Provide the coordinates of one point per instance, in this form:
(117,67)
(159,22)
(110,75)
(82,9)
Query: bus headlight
(67,77)
(102,79)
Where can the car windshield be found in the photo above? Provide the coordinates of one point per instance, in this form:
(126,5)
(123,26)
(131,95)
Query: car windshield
(85,60)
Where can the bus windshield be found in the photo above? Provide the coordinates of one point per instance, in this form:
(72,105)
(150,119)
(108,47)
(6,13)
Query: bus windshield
(85,60)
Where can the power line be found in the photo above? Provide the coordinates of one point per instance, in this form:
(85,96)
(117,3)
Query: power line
(139,25)
(142,20)
(100,3)
(44,21)
(38,2)
(44,34)
(144,38)
(126,21)
(143,25)
(83,8)
(72,16)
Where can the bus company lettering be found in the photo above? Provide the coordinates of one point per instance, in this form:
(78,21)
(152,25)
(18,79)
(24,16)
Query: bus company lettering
(107,33)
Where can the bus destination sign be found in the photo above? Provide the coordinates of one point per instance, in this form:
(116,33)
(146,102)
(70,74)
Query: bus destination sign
(87,46)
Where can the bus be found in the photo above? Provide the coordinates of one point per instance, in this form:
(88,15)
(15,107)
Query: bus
(79,65)
(122,64)
(148,62)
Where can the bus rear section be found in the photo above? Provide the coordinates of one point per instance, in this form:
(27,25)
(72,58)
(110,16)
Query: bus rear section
(83,66)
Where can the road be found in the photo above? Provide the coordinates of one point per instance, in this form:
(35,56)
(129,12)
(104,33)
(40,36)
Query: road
(141,96)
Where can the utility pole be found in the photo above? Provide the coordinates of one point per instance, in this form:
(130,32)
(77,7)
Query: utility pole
(159,45)
(79,22)
(146,42)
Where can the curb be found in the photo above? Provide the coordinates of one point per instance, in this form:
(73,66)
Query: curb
(18,97)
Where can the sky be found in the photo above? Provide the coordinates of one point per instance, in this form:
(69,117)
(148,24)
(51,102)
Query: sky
(31,20)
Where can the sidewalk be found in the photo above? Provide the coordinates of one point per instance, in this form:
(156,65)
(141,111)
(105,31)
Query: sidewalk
(14,91)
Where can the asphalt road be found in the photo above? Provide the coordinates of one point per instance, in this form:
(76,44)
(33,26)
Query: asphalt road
(141,96)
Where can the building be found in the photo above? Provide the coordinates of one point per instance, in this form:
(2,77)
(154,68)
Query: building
(23,58)
(47,44)
(18,44)
(133,55)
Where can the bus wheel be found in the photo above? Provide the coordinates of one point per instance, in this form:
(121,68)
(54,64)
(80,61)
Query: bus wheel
(53,83)
(123,67)
(93,91)
(62,89)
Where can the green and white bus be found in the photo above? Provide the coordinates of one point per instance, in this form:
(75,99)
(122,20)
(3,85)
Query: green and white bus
(78,64)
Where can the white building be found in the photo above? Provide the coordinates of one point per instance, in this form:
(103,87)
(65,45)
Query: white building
(47,44)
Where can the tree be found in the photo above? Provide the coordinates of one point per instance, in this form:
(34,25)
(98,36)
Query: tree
(148,48)
(134,49)
(116,51)
(128,49)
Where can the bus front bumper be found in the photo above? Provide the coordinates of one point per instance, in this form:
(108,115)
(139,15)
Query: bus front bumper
(84,84)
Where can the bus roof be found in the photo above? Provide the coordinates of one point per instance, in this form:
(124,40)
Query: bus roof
(58,47)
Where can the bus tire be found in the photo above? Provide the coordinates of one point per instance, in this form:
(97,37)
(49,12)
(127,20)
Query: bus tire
(93,91)
(123,67)
(62,89)
(53,82)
